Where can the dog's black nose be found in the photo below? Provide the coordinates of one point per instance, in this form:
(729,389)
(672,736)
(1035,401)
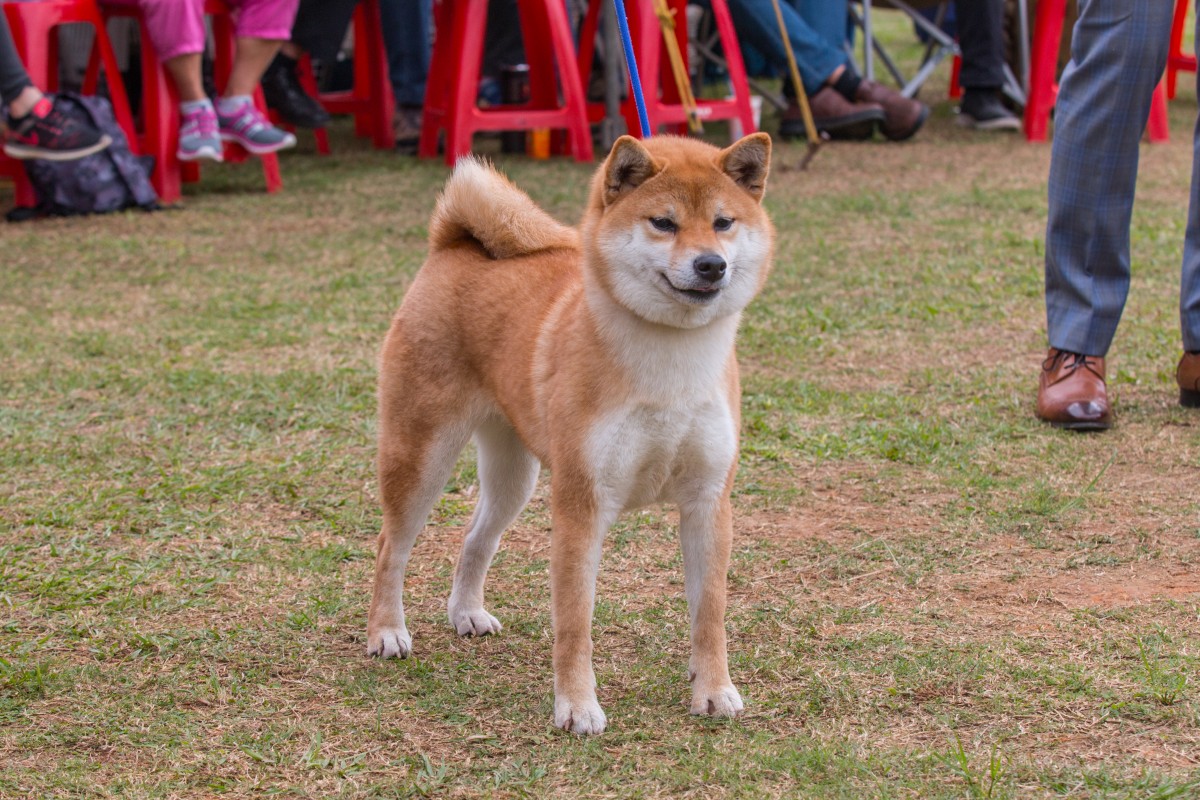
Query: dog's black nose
(710,267)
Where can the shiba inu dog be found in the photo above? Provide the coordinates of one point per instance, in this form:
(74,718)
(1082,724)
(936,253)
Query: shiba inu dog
(606,354)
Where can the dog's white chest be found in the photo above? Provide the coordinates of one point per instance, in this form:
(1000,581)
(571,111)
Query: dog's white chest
(641,455)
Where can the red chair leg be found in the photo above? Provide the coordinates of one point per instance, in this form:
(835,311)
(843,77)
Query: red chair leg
(308,81)
(381,100)
(1177,59)
(468,30)
(736,67)
(572,83)
(1047,31)
(1158,128)
(955,91)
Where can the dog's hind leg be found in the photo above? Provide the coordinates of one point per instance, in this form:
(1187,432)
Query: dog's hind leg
(507,475)
(414,465)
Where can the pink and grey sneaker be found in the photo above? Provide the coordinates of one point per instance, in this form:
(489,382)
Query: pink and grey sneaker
(247,126)
(199,136)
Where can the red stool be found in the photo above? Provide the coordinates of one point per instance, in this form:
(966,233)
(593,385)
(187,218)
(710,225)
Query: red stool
(1177,59)
(33,29)
(454,79)
(1043,88)
(654,69)
(371,100)
(160,106)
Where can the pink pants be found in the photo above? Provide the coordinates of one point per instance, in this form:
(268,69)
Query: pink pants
(176,27)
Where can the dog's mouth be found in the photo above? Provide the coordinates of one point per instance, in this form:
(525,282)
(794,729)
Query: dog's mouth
(694,294)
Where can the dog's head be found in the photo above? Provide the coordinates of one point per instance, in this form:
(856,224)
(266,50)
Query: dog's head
(675,229)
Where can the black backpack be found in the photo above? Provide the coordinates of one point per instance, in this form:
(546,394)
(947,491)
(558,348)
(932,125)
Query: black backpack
(111,180)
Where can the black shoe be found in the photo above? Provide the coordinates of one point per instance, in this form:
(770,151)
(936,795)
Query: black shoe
(45,132)
(982,110)
(285,95)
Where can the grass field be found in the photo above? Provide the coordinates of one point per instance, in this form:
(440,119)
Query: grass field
(932,594)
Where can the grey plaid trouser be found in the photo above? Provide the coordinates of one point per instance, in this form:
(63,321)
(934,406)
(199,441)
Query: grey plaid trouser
(1118,53)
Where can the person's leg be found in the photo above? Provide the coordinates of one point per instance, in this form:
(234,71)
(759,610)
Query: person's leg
(16,89)
(406,26)
(318,31)
(1118,53)
(1189,292)
(176,31)
(249,63)
(981,37)
(829,19)
(36,128)
(817,55)
(828,78)
(826,18)
(186,72)
(262,26)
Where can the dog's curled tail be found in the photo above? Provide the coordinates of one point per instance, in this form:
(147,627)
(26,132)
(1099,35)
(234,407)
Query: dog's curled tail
(481,204)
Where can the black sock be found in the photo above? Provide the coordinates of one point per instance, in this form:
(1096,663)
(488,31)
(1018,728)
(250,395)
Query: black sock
(847,84)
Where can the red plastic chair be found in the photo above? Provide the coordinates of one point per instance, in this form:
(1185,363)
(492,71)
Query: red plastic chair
(33,28)
(454,79)
(1178,60)
(160,106)
(664,107)
(371,100)
(1043,86)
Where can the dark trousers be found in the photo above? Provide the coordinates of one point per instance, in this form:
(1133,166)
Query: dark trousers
(321,25)
(981,39)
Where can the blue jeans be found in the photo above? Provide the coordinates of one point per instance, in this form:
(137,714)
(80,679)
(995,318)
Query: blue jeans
(406,27)
(1118,53)
(816,28)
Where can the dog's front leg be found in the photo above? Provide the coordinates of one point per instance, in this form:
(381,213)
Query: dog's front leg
(576,543)
(706,535)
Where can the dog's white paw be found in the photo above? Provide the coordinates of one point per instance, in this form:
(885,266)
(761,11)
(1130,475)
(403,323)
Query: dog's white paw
(583,718)
(721,701)
(473,622)
(389,643)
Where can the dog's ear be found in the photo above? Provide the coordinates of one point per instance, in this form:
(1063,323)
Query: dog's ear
(629,165)
(747,161)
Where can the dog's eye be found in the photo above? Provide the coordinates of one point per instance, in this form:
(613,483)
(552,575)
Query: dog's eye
(722,224)
(664,224)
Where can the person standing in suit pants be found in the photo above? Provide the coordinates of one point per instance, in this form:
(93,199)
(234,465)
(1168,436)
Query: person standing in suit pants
(1118,54)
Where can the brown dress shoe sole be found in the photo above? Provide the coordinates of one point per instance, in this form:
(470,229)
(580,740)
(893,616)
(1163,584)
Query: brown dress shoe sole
(857,126)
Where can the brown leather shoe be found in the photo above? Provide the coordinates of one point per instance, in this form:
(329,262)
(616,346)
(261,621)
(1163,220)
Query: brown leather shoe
(834,115)
(1187,375)
(904,116)
(1072,393)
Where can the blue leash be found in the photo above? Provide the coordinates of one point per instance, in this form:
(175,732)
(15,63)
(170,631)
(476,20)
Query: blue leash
(634,81)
